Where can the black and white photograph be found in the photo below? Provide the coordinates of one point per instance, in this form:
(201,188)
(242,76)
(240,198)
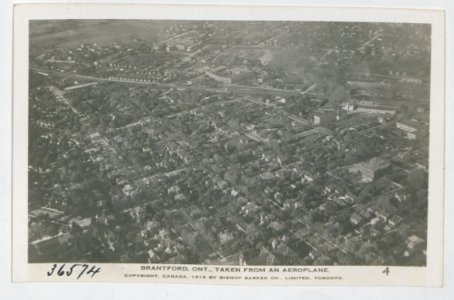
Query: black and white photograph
(232,147)
(228,143)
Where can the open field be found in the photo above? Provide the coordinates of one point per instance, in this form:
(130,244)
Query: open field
(101,32)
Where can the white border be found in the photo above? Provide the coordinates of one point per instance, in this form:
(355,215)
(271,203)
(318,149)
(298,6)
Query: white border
(429,276)
(207,291)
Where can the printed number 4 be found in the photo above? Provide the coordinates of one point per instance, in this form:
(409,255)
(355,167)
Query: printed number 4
(386,271)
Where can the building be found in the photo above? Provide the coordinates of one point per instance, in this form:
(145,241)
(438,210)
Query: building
(370,169)
(50,212)
(244,77)
(356,219)
(234,75)
(372,88)
(411,80)
(348,106)
(324,118)
(50,245)
(376,109)
(414,241)
(409,127)
(218,78)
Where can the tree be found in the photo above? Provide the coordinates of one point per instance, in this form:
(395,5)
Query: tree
(417,179)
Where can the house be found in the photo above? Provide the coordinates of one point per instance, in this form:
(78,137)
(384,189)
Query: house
(404,230)
(414,241)
(375,220)
(328,208)
(383,214)
(181,197)
(173,189)
(264,258)
(307,177)
(220,184)
(278,226)
(127,190)
(365,214)
(235,259)
(153,257)
(341,201)
(395,220)
(286,253)
(329,189)
(250,208)
(82,223)
(348,106)
(356,219)
(400,196)
(226,238)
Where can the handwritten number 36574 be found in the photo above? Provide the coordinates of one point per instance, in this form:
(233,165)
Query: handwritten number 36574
(77,269)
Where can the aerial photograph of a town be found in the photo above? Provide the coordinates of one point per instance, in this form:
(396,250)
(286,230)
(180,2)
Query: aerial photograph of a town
(228,142)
